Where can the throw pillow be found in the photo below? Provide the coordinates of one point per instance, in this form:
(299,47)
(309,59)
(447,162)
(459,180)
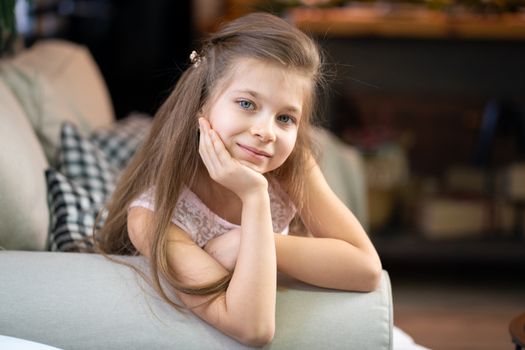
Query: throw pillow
(120,141)
(73,212)
(77,190)
(83,163)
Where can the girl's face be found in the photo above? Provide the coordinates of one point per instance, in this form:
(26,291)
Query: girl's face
(257,113)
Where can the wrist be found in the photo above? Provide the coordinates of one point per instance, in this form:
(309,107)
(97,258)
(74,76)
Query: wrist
(255,194)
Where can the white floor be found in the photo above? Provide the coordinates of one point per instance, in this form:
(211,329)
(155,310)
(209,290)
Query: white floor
(10,343)
(403,341)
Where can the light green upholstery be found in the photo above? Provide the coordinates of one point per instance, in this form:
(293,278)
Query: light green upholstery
(57,81)
(83,301)
(24,215)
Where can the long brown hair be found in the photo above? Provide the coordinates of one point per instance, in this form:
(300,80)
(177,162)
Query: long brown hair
(169,158)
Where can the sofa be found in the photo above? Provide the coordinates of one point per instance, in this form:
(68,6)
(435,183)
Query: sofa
(53,293)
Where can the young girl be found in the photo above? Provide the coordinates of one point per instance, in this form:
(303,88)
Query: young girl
(228,164)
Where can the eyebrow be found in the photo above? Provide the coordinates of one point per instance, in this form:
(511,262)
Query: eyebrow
(257,95)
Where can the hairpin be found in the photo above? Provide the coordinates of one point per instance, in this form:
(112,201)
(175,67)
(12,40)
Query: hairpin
(195,58)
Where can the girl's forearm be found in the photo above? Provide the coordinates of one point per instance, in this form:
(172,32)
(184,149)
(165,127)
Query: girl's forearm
(327,262)
(252,289)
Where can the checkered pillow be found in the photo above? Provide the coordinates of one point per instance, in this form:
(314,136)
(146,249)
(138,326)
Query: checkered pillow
(73,212)
(77,190)
(120,141)
(84,164)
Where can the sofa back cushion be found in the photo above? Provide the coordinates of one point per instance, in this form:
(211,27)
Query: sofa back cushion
(24,215)
(57,81)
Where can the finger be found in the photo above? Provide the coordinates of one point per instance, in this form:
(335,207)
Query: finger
(210,144)
(223,156)
(204,150)
(215,144)
(202,142)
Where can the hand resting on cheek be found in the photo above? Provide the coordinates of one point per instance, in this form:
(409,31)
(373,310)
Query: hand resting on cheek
(224,169)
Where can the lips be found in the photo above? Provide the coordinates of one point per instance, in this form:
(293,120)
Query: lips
(255,150)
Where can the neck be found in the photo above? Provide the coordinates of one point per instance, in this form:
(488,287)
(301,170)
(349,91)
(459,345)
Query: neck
(219,192)
(218,198)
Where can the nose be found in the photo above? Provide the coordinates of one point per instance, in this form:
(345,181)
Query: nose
(264,130)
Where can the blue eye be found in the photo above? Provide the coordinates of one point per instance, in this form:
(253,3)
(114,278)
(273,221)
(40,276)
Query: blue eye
(245,104)
(286,119)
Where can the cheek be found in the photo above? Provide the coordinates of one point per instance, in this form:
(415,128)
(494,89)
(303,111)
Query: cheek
(228,127)
(224,131)
(288,144)
(220,126)
(217,118)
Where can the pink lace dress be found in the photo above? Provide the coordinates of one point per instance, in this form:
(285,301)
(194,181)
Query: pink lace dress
(194,217)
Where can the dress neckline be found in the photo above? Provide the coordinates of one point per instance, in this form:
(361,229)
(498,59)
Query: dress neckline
(196,199)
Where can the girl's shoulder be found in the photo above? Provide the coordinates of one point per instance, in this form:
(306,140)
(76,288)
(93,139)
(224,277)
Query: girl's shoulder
(144,200)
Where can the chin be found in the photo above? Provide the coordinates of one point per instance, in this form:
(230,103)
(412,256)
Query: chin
(253,167)
(260,169)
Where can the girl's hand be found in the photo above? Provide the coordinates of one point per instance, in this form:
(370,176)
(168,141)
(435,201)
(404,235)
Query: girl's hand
(224,169)
(225,248)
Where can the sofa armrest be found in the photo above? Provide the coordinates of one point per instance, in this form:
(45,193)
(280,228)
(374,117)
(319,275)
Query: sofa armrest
(85,301)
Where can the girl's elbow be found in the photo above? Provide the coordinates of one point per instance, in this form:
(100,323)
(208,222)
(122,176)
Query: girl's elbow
(376,279)
(373,277)
(369,277)
(258,335)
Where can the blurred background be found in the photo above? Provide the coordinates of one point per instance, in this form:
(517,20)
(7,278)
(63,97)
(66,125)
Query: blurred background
(430,92)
